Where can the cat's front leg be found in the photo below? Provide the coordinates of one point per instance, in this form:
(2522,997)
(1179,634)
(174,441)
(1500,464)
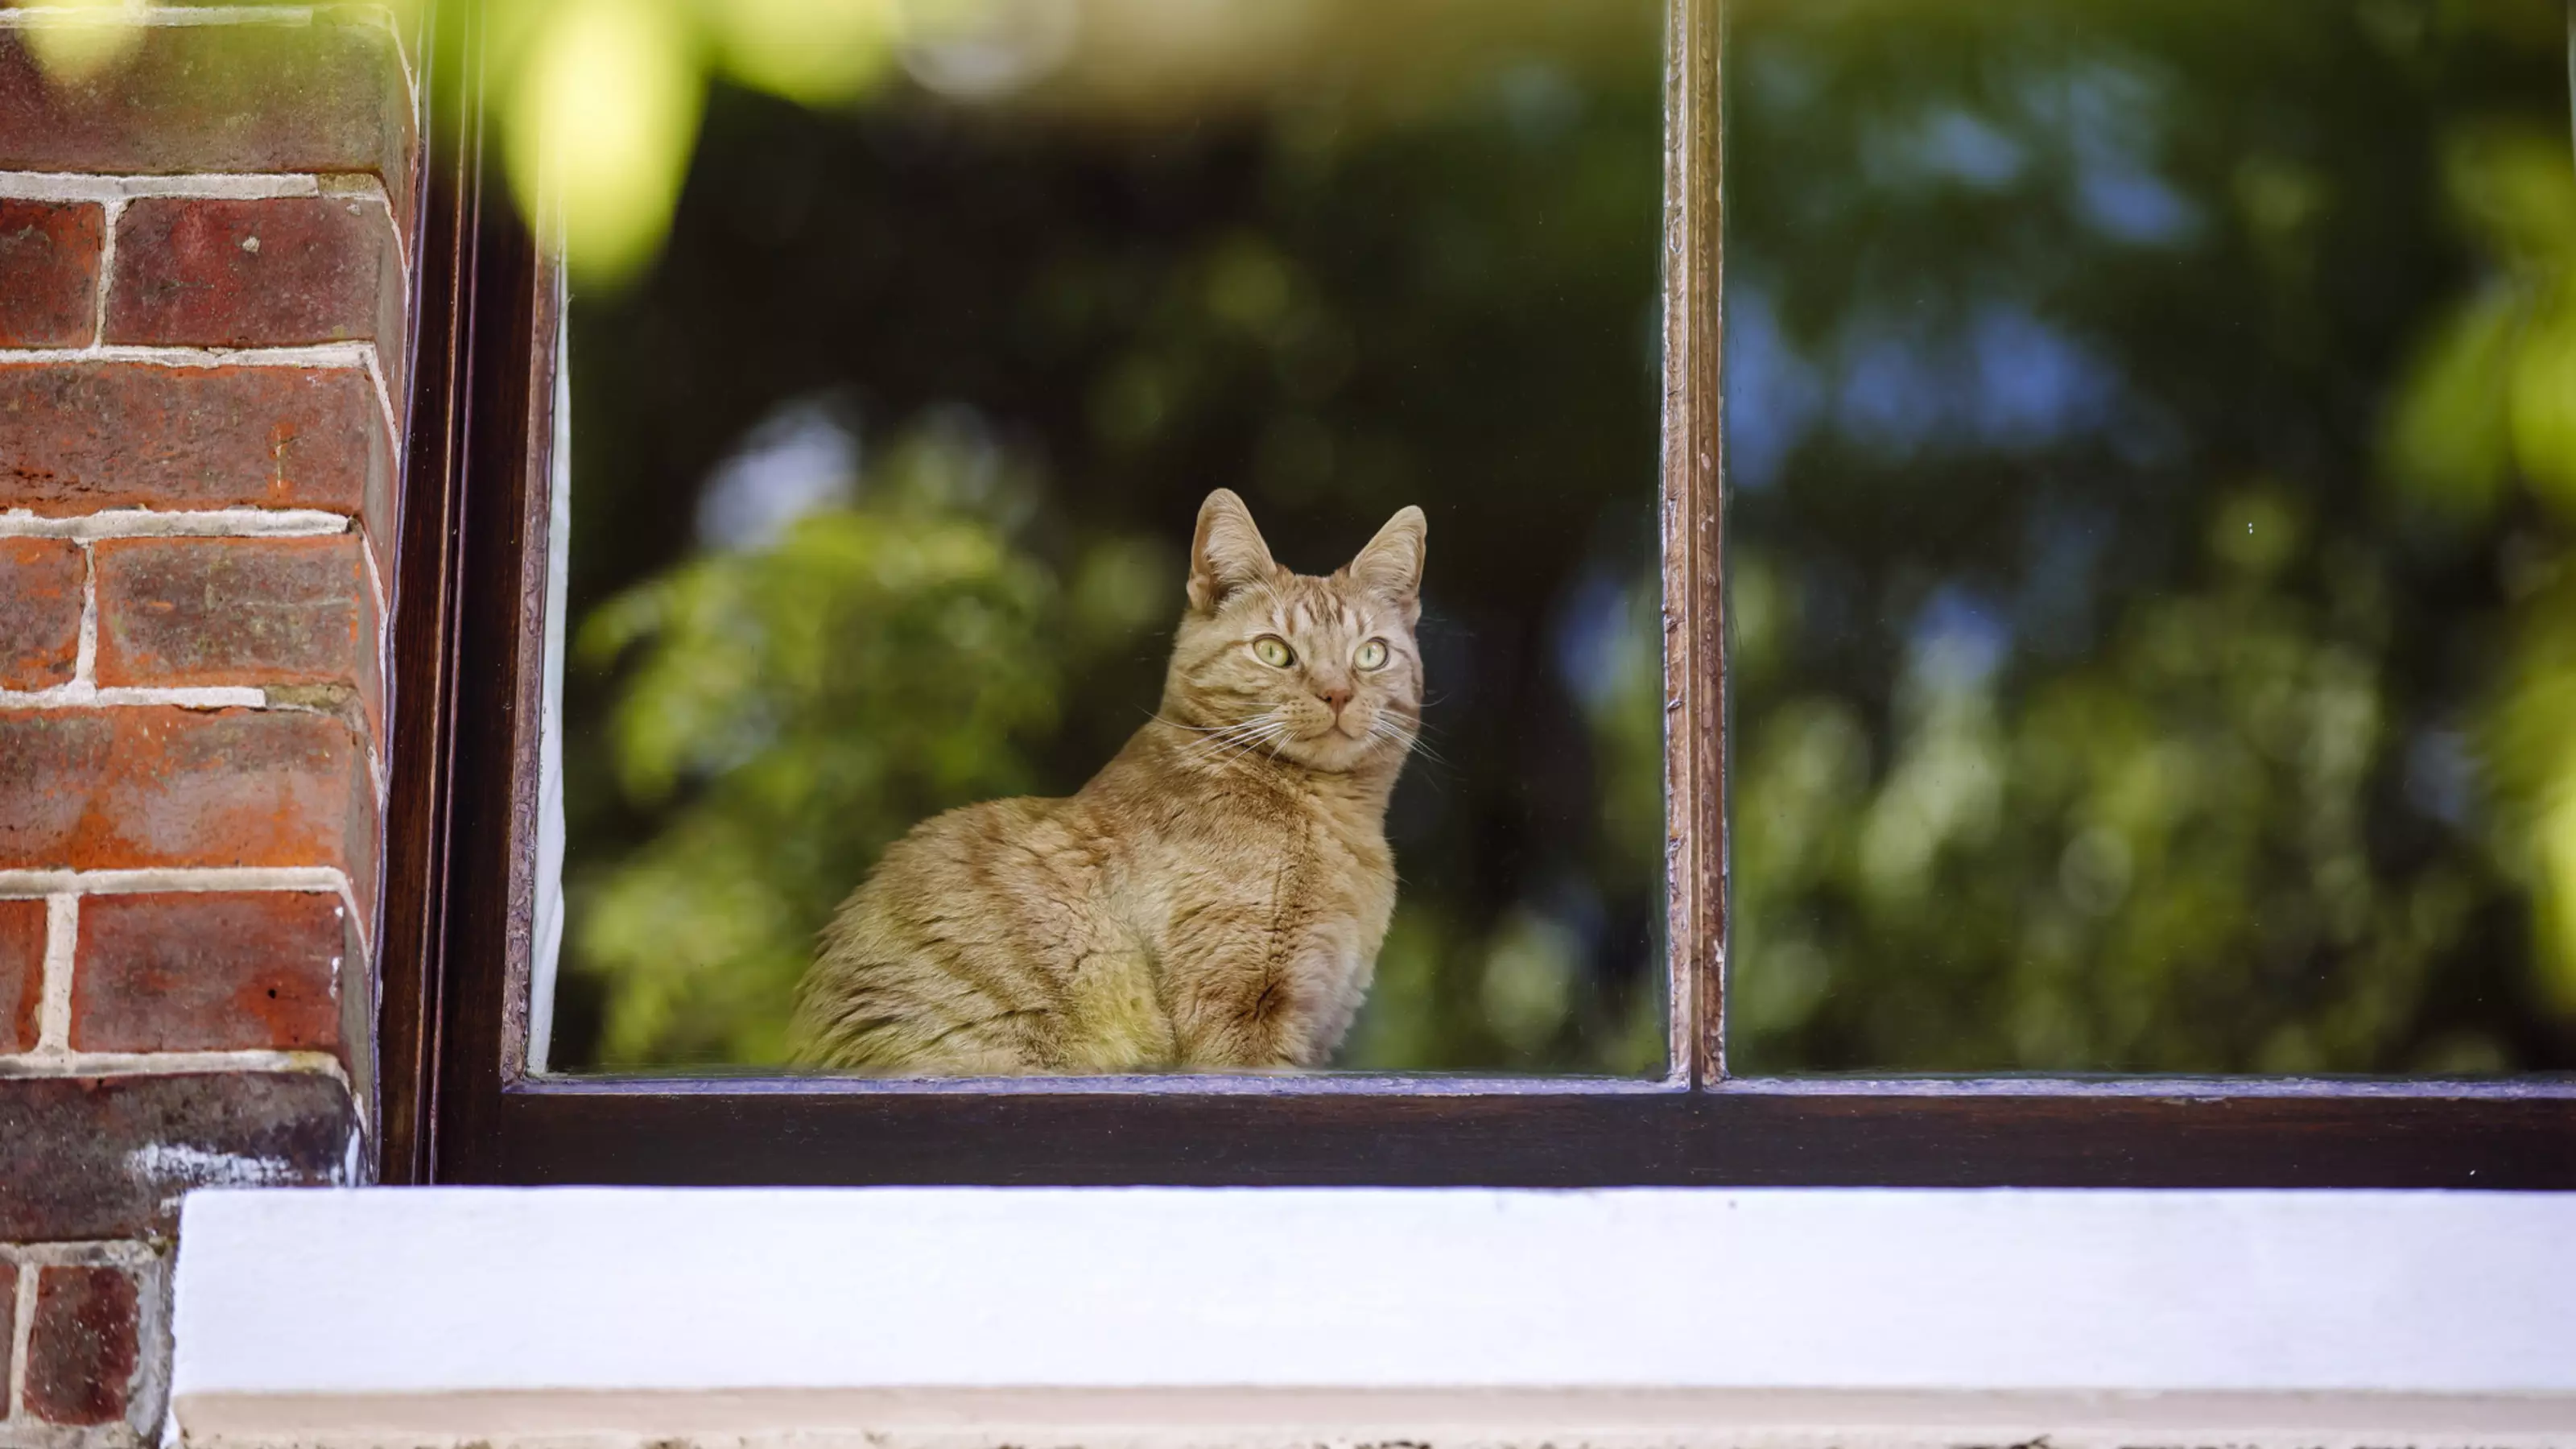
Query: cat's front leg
(1281,1005)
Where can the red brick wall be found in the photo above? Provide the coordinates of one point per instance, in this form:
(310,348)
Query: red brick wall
(202,293)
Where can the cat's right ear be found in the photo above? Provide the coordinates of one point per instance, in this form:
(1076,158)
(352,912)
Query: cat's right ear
(1226,553)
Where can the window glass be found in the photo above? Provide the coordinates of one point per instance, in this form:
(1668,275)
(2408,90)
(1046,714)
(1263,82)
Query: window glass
(2151,447)
(885,468)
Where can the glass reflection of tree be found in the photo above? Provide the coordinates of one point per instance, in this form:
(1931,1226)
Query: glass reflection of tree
(2153,433)
(826,680)
(1394,256)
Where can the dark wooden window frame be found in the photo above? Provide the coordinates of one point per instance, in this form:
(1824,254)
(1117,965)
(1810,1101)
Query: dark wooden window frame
(458,1107)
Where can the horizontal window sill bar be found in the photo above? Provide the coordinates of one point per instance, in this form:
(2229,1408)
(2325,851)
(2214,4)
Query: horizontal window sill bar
(2194,1134)
(1435,1084)
(1172,1316)
(1311,1084)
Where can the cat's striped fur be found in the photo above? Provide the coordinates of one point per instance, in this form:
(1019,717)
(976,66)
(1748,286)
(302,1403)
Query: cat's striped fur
(1213,898)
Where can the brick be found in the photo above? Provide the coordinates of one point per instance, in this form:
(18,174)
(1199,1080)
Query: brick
(85,1348)
(202,971)
(277,272)
(40,611)
(22,973)
(242,611)
(49,272)
(78,437)
(140,787)
(9,1300)
(326,97)
(109,1157)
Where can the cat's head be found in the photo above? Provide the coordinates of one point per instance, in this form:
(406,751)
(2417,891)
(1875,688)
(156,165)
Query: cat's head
(1321,671)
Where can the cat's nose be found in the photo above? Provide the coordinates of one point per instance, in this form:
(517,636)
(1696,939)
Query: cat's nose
(1335,697)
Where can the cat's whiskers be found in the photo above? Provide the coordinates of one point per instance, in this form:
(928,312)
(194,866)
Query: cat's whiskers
(1224,729)
(1386,727)
(1274,734)
(1224,744)
(1194,729)
(1215,748)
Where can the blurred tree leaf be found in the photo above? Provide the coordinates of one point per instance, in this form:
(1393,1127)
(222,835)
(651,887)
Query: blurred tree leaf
(796,708)
(2448,441)
(2529,742)
(2543,397)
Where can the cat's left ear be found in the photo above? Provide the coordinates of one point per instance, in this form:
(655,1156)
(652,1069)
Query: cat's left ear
(1226,551)
(1391,565)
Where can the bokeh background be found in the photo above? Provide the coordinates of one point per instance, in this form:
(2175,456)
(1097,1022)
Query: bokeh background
(2151,434)
(884,463)
(2151,454)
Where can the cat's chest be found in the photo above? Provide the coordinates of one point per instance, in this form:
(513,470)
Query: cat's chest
(1307,862)
(1320,841)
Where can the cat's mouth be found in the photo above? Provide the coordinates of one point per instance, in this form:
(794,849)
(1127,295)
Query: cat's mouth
(1333,734)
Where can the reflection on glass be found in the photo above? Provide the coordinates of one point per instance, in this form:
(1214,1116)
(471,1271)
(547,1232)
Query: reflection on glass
(885,470)
(2152,463)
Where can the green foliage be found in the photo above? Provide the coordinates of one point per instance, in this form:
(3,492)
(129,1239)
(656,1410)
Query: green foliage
(2149,629)
(2226,728)
(2154,860)
(791,710)
(1410,259)
(2448,440)
(2529,740)
(2492,396)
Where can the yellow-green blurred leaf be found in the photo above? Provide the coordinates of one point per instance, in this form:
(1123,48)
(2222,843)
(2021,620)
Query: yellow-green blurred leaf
(2529,747)
(83,37)
(2514,184)
(2447,443)
(599,125)
(819,52)
(2544,406)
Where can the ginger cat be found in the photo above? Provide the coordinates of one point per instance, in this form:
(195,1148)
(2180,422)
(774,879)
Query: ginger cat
(1214,898)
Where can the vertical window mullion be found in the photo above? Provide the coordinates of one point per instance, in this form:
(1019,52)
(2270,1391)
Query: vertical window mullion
(1694,675)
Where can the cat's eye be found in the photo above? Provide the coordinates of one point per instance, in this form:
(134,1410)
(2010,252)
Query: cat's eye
(1272,650)
(1372,655)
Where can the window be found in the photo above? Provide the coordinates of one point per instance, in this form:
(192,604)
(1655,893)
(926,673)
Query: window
(471,915)
(882,480)
(2144,540)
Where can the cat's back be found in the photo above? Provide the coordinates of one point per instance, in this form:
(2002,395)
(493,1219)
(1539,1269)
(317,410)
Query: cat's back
(1003,871)
(954,953)
(1007,846)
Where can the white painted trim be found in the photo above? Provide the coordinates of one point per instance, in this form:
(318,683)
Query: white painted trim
(440,1316)
(545,946)
(1449,1419)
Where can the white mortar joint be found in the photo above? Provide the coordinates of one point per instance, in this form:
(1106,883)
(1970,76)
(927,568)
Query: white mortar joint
(190,523)
(316,354)
(54,1004)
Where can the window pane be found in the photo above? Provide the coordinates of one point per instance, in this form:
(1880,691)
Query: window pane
(2151,438)
(884,475)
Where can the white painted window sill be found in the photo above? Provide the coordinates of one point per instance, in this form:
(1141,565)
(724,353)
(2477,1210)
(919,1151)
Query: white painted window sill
(1271,1317)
